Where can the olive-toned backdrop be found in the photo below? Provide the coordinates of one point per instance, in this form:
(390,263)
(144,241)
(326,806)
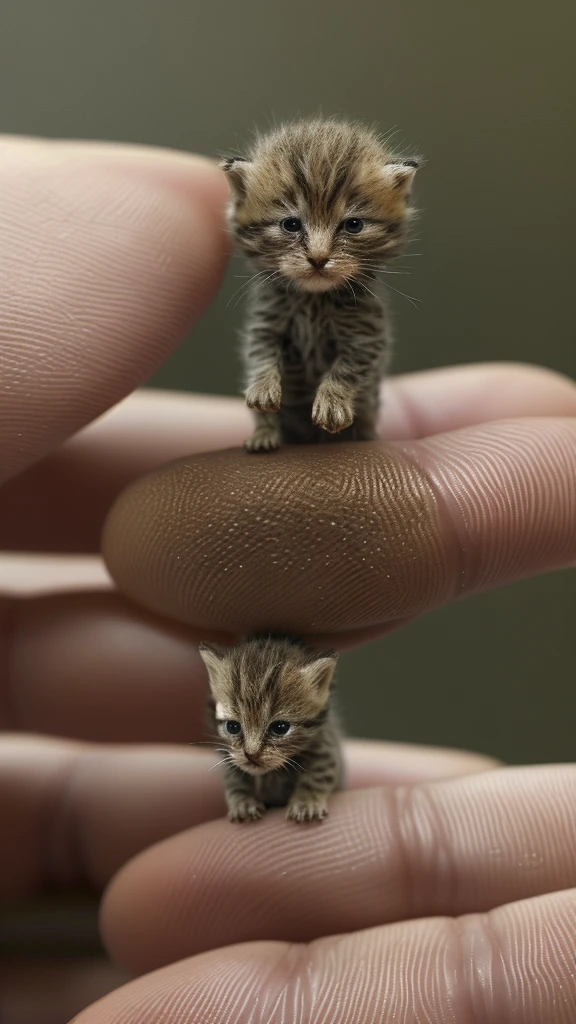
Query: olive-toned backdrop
(487,93)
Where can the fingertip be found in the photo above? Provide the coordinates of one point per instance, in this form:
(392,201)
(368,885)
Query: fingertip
(365,543)
(378,533)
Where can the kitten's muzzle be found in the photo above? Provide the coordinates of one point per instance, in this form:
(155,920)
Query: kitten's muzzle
(253,769)
(256,763)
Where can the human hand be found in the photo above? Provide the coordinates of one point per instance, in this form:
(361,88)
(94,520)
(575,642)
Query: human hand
(83,323)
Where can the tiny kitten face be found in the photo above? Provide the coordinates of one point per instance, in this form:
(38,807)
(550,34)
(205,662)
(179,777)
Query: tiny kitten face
(270,696)
(319,203)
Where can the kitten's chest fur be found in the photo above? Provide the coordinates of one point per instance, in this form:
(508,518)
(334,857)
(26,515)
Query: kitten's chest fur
(311,329)
(275,788)
(309,342)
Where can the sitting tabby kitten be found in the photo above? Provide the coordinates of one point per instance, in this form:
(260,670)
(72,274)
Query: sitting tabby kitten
(273,712)
(318,207)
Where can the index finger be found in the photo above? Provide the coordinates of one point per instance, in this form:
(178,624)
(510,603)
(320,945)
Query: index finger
(76,485)
(452,847)
(79,811)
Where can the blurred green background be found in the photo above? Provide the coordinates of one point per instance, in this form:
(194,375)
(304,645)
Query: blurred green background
(486,93)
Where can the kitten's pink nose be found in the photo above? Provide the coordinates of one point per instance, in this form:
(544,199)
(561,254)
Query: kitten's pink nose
(319,262)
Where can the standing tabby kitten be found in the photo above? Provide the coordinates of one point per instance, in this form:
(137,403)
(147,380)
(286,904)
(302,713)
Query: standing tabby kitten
(273,713)
(318,207)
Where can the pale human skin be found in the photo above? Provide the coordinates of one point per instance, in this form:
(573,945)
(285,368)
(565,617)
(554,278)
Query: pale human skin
(431,924)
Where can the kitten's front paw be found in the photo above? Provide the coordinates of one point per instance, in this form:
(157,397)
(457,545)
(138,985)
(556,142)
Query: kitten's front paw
(247,809)
(265,395)
(264,439)
(313,808)
(332,410)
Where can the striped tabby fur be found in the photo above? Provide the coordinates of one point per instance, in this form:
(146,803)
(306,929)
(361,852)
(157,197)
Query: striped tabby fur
(318,207)
(261,683)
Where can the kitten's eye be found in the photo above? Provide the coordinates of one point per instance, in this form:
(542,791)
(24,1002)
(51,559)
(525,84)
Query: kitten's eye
(291,225)
(234,728)
(353,225)
(280,728)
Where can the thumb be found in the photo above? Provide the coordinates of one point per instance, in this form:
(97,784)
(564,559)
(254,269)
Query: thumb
(341,540)
(109,253)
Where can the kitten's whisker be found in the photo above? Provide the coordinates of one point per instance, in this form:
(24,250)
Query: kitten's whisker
(382,270)
(218,763)
(392,273)
(244,286)
(349,283)
(411,298)
(275,273)
(365,286)
(238,295)
(378,265)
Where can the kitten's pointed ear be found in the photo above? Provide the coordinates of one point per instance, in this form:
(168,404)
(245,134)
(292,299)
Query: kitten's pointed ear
(318,673)
(236,169)
(212,655)
(400,176)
